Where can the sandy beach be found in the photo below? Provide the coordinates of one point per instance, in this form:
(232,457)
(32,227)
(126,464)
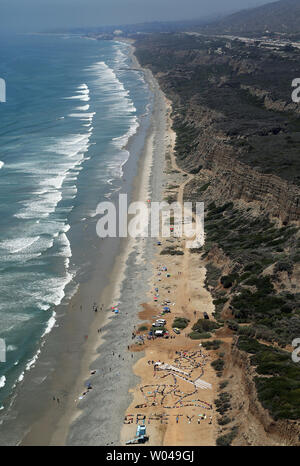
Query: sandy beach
(174,397)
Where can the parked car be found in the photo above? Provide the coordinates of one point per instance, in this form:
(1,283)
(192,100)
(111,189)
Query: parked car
(176,330)
(161,321)
(157,324)
(205,315)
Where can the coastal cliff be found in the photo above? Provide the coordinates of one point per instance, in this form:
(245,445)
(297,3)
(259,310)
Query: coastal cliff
(238,135)
(232,179)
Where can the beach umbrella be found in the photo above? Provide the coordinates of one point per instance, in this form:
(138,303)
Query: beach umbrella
(166,308)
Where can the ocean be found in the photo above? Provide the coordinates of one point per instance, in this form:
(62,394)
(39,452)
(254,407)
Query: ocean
(72,106)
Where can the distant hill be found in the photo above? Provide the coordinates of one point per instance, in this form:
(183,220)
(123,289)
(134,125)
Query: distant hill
(282,16)
(142,28)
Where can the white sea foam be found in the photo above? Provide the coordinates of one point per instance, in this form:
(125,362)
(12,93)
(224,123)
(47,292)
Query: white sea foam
(83,97)
(50,324)
(2,381)
(83,108)
(18,244)
(83,116)
(40,207)
(120,106)
(33,360)
(65,246)
(121,141)
(54,289)
(50,191)
(82,93)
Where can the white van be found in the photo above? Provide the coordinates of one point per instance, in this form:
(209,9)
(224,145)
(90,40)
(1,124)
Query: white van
(161,321)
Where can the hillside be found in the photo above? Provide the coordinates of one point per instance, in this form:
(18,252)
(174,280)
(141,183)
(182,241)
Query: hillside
(237,131)
(282,16)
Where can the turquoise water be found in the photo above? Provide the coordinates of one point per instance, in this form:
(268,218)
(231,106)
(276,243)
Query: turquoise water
(72,105)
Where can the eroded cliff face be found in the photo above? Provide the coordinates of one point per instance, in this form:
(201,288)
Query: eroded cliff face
(271,103)
(234,115)
(230,179)
(256,426)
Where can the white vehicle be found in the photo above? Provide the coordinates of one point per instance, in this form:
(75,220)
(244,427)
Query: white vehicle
(161,321)
(157,324)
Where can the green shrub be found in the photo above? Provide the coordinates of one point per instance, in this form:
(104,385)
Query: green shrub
(223,384)
(226,440)
(212,345)
(278,380)
(199,336)
(218,365)
(205,325)
(224,420)
(143,328)
(232,325)
(228,280)
(180,322)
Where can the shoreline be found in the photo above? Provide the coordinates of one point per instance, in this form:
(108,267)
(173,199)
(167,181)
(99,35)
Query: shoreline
(115,359)
(52,428)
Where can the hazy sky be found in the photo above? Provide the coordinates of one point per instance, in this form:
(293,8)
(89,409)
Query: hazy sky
(37,15)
